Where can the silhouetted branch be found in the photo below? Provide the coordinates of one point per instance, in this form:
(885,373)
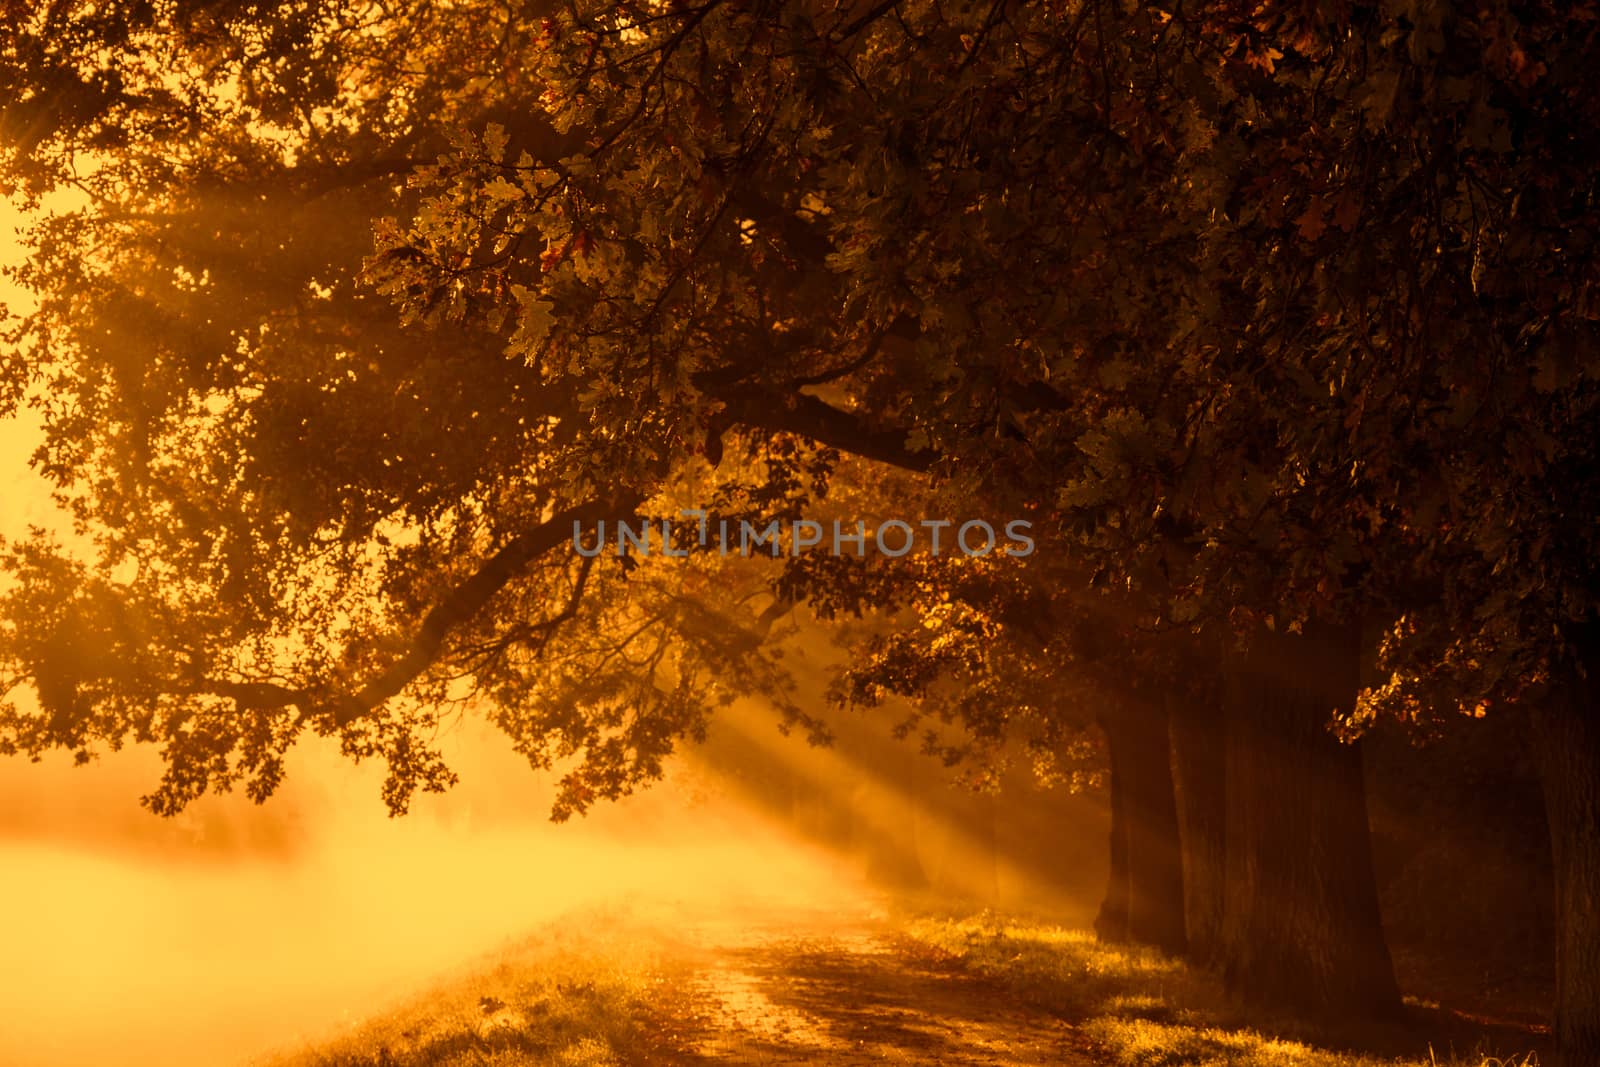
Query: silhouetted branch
(426,644)
(468,598)
(800,413)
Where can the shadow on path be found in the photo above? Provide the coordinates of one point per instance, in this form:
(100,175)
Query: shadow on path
(844,992)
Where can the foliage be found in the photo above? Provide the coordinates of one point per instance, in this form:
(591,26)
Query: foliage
(1257,301)
(1264,313)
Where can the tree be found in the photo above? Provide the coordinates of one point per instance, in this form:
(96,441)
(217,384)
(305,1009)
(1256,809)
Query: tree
(308,516)
(1197,732)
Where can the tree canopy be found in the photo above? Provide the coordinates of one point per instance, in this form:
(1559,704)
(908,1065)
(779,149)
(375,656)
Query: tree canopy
(1263,314)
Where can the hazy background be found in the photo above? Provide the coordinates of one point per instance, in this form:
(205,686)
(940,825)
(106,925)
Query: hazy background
(232,928)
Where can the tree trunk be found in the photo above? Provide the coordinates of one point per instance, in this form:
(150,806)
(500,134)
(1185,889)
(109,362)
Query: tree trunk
(1144,898)
(1302,929)
(1567,742)
(1199,757)
(1112,922)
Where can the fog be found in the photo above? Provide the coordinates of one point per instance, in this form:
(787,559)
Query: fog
(233,928)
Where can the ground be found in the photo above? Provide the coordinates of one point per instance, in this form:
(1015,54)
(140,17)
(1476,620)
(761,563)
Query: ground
(692,985)
(847,990)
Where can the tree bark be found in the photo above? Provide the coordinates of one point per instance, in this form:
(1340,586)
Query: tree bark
(1144,896)
(1199,759)
(1112,922)
(1567,744)
(1301,930)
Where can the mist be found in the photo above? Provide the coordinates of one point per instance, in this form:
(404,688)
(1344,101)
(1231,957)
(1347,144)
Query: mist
(234,929)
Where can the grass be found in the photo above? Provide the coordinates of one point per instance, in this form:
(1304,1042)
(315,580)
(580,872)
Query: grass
(607,989)
(1148,1010)
(597,991)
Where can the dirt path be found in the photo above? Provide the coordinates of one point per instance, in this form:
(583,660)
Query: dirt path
(840,990)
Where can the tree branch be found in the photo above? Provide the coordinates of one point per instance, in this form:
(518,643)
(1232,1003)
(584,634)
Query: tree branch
(866,19)
(425,645)
(469,597)
(256,696)
(801,413)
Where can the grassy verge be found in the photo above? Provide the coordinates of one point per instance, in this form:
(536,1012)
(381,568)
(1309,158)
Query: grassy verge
(607,989)
(1147,1010)
(595,991)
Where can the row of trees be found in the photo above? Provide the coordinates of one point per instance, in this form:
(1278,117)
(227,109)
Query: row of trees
(1276,321)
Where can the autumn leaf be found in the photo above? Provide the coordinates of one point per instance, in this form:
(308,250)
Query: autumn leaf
(1311,222)
(1265,60)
